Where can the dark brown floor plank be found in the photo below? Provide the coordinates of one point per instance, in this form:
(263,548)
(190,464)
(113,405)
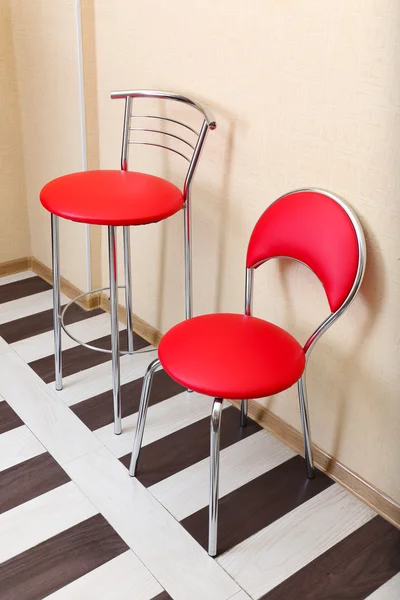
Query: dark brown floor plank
(80,358)
(163,596)
(20,329)
(55,563)
(185,447)
(98,411)
(351,570)
(29,479)
(8,418)
(23,288)
(257,504)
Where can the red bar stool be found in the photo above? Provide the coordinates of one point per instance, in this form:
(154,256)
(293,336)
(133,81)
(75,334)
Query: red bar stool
(252,358)
(121,199)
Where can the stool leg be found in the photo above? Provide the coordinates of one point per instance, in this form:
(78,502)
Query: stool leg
(128,286)
(116,378)
(305,422)
(215,430)
(188,261)
(243,413)
(141,422)
(55,243)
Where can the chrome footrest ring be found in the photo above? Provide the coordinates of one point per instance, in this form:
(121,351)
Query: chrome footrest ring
(90,346)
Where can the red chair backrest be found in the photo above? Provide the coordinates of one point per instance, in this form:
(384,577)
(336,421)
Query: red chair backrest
(314,228)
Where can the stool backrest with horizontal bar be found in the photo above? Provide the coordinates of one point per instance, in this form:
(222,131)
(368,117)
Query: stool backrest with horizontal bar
(126,198)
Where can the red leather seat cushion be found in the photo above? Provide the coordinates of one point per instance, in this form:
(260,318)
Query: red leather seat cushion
(112,198)
(231,356)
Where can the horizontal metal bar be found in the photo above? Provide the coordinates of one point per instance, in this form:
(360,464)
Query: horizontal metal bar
(162,133)
(167,96)
(160,146)
(165,119)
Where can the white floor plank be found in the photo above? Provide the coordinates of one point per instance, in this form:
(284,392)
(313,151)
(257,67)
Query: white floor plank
(123,578)
(389,591)
(90,382)
(264,560)
(240,463)
(181,566)
(4,347)
(42,345)
(240,596)
(16,277)
(43,517)
(18,445)
(58,429)
(162,419)
(31,305)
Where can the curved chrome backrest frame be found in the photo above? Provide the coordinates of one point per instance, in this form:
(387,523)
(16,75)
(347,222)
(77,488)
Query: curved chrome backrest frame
(208,123)
(362,256)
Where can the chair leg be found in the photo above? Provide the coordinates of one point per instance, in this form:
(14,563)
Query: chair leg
(55,243)
(144,403)
(188,261)
(188,264)
(215,430)
(305,422)
(116,377)
(128,286)
(243,413)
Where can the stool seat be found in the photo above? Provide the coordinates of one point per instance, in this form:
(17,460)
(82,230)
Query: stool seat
(231,356)
(112,198)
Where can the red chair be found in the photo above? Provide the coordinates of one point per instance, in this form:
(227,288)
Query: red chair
(252,358)
(120,199)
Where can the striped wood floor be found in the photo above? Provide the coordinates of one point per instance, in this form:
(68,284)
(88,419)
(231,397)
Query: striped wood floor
(74,525)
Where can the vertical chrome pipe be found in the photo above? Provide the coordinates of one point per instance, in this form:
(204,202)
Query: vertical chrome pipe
(215,431)
(128,286)
(188,261)
(248,307)
(248,302)
(55,254)
(243,413)
(305,422)
(187,220)
(144,403)
(116,377)
(125,134)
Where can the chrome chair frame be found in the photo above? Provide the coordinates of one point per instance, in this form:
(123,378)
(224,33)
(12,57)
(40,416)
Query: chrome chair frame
(58,315)
(216,413)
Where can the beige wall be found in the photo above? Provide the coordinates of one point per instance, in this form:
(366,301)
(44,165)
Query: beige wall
(44,38)
(14,232)
(305,93)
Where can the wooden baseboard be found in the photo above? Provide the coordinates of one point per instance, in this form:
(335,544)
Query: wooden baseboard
(14,266)
(146,331)
(67,288)
(388,508)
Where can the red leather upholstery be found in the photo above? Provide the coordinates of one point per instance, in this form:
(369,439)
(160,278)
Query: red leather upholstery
(231,356)
(112,198)
(313,228)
